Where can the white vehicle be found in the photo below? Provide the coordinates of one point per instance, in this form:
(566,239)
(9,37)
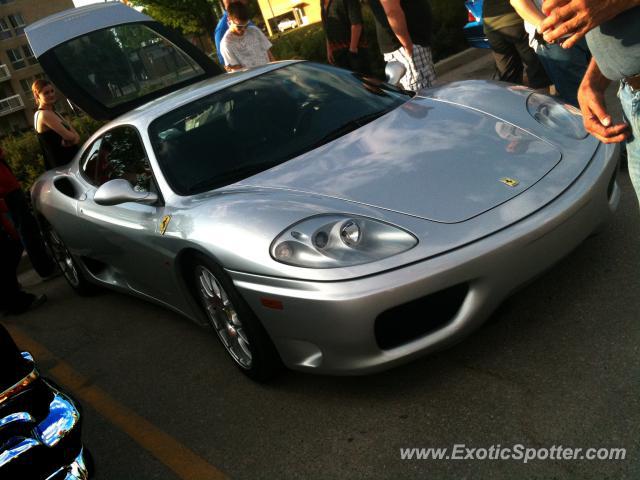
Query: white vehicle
(287,24)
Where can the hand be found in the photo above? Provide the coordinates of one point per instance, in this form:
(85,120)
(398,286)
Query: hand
(574,18)
(330,56)
(596,119)
(354,52)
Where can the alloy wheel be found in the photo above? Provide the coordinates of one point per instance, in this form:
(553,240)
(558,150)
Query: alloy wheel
(63,258)
(224,317)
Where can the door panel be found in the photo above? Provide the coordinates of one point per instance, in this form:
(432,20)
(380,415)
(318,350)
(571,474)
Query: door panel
(123,239)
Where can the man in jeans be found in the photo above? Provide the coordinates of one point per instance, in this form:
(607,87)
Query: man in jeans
(565,66)
(613,36)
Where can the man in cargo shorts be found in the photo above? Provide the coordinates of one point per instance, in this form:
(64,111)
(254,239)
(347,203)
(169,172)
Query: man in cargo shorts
(403,28)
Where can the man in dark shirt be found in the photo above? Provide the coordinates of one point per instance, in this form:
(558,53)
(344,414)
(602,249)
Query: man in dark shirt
(12,201)
(13,300)
(403,29)
(510,44)
(346,45)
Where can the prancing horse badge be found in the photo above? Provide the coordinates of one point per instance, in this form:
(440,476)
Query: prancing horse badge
(164,224)
(511,182)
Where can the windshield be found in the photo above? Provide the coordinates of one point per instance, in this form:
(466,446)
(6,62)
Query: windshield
(264,121)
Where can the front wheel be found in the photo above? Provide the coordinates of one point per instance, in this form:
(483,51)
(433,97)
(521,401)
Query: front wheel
(237,328)
(70,269)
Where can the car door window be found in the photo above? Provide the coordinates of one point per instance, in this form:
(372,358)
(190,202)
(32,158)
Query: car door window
(119,153)
(89,162)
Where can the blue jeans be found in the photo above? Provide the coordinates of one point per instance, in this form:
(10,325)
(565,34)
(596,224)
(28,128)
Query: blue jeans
(630,100)
(565,68)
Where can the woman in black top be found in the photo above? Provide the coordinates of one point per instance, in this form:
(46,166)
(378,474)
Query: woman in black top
(58,139)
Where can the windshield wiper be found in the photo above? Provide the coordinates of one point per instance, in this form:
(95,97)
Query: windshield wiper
(227,178)
(348,127)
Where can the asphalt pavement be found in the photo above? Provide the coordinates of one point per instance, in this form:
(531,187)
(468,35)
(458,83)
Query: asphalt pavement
(557,364)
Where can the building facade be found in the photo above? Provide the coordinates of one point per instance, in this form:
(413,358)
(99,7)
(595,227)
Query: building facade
(281,15)
(18,66)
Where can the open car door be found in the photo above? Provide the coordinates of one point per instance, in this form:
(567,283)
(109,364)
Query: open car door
(109,59)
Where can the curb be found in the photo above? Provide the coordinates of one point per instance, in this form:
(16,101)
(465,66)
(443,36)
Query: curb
(459,59)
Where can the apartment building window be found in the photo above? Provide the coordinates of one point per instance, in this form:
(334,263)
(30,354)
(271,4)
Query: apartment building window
(28,53)
(17,22)
(26,83)
(5,30)
(16,58)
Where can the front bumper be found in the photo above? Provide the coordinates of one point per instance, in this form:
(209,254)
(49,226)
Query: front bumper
(329,327)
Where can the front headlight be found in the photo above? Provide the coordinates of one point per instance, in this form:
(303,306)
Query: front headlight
(332,241)
(558,116)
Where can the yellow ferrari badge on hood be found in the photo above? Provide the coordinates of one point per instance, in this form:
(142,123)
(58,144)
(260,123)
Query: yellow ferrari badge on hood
(512,182)
(164,224)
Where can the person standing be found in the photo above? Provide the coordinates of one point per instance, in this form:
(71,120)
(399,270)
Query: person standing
(342,24)
(565,67)
(510,44)
(13,300)
(244,45)
(612,29)
(403,28)
(16,204)
(221,29)
(58,139)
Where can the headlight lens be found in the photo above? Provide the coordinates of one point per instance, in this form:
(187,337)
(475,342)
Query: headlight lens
(557,116)
(333,241)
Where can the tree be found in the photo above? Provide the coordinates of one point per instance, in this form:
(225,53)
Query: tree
(188,16)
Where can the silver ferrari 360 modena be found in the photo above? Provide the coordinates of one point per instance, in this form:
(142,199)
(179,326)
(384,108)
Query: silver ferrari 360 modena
(312,216)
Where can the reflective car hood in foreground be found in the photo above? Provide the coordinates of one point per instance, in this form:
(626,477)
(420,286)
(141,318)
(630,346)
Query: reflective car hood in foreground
(429,159)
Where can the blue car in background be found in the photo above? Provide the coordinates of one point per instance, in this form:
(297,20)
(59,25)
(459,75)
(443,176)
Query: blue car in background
(473,30)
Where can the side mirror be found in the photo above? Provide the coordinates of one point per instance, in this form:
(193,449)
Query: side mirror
(394,71)
(118,191)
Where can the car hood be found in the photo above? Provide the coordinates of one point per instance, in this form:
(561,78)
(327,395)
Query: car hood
(429,159)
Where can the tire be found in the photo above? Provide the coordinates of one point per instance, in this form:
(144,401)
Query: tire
(238,329)
(68,265)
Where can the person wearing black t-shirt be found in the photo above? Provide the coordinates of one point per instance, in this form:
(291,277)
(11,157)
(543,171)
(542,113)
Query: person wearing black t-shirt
(403,28)
(342,24)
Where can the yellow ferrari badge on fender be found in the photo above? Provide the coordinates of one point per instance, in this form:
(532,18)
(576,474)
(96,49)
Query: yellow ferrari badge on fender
(511,182)
(164,224)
